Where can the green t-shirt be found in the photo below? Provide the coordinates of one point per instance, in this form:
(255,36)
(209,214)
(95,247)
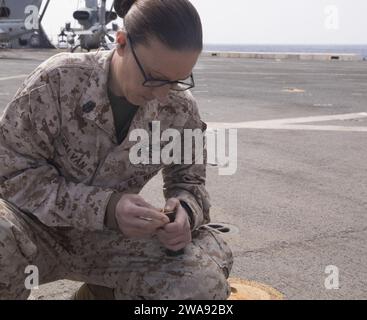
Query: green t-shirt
(123,113)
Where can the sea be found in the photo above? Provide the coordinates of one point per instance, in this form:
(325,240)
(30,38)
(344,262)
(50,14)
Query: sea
(357,49)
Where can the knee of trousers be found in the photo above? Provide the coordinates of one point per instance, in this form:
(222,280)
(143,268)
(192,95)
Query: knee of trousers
(209,282)
(200,274)
(216,264)
(200,279)
(16,253)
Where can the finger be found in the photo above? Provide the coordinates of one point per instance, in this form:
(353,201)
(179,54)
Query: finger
(145,225)
(149,214)
(172,238)
(181,223)
(162,234)
(165,236)
(176,247)
(139,201)
(181,216)
(171,204)
(178,240)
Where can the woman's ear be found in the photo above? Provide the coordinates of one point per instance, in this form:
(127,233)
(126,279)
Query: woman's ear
(121,41)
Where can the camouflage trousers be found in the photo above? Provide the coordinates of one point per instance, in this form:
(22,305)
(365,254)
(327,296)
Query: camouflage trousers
(134,269)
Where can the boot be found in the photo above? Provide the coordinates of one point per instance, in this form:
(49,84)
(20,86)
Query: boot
(93,292)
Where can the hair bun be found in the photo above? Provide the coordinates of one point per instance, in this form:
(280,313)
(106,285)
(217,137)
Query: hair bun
(122,7)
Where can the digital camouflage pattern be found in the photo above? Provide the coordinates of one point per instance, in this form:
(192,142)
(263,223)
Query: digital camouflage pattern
(135,269)
(60,162)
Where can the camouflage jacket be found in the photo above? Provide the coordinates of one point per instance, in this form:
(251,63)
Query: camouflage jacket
(59,156)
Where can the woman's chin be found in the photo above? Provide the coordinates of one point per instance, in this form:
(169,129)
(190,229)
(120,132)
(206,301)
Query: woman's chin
(137,100)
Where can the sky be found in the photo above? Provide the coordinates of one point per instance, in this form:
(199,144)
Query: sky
(258,21)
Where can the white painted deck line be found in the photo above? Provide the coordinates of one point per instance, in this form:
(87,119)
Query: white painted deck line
(296,123)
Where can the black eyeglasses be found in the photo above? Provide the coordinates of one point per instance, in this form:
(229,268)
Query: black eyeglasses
(150,82)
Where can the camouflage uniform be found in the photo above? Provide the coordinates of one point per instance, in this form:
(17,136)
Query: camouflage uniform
(60,165)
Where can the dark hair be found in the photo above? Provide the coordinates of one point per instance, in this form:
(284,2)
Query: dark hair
(176,23)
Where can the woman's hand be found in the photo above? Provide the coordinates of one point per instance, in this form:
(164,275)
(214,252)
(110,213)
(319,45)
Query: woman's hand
(137,218)
(175,235)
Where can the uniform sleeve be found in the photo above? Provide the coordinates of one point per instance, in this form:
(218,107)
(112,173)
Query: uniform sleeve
(28,179)
(187,181)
